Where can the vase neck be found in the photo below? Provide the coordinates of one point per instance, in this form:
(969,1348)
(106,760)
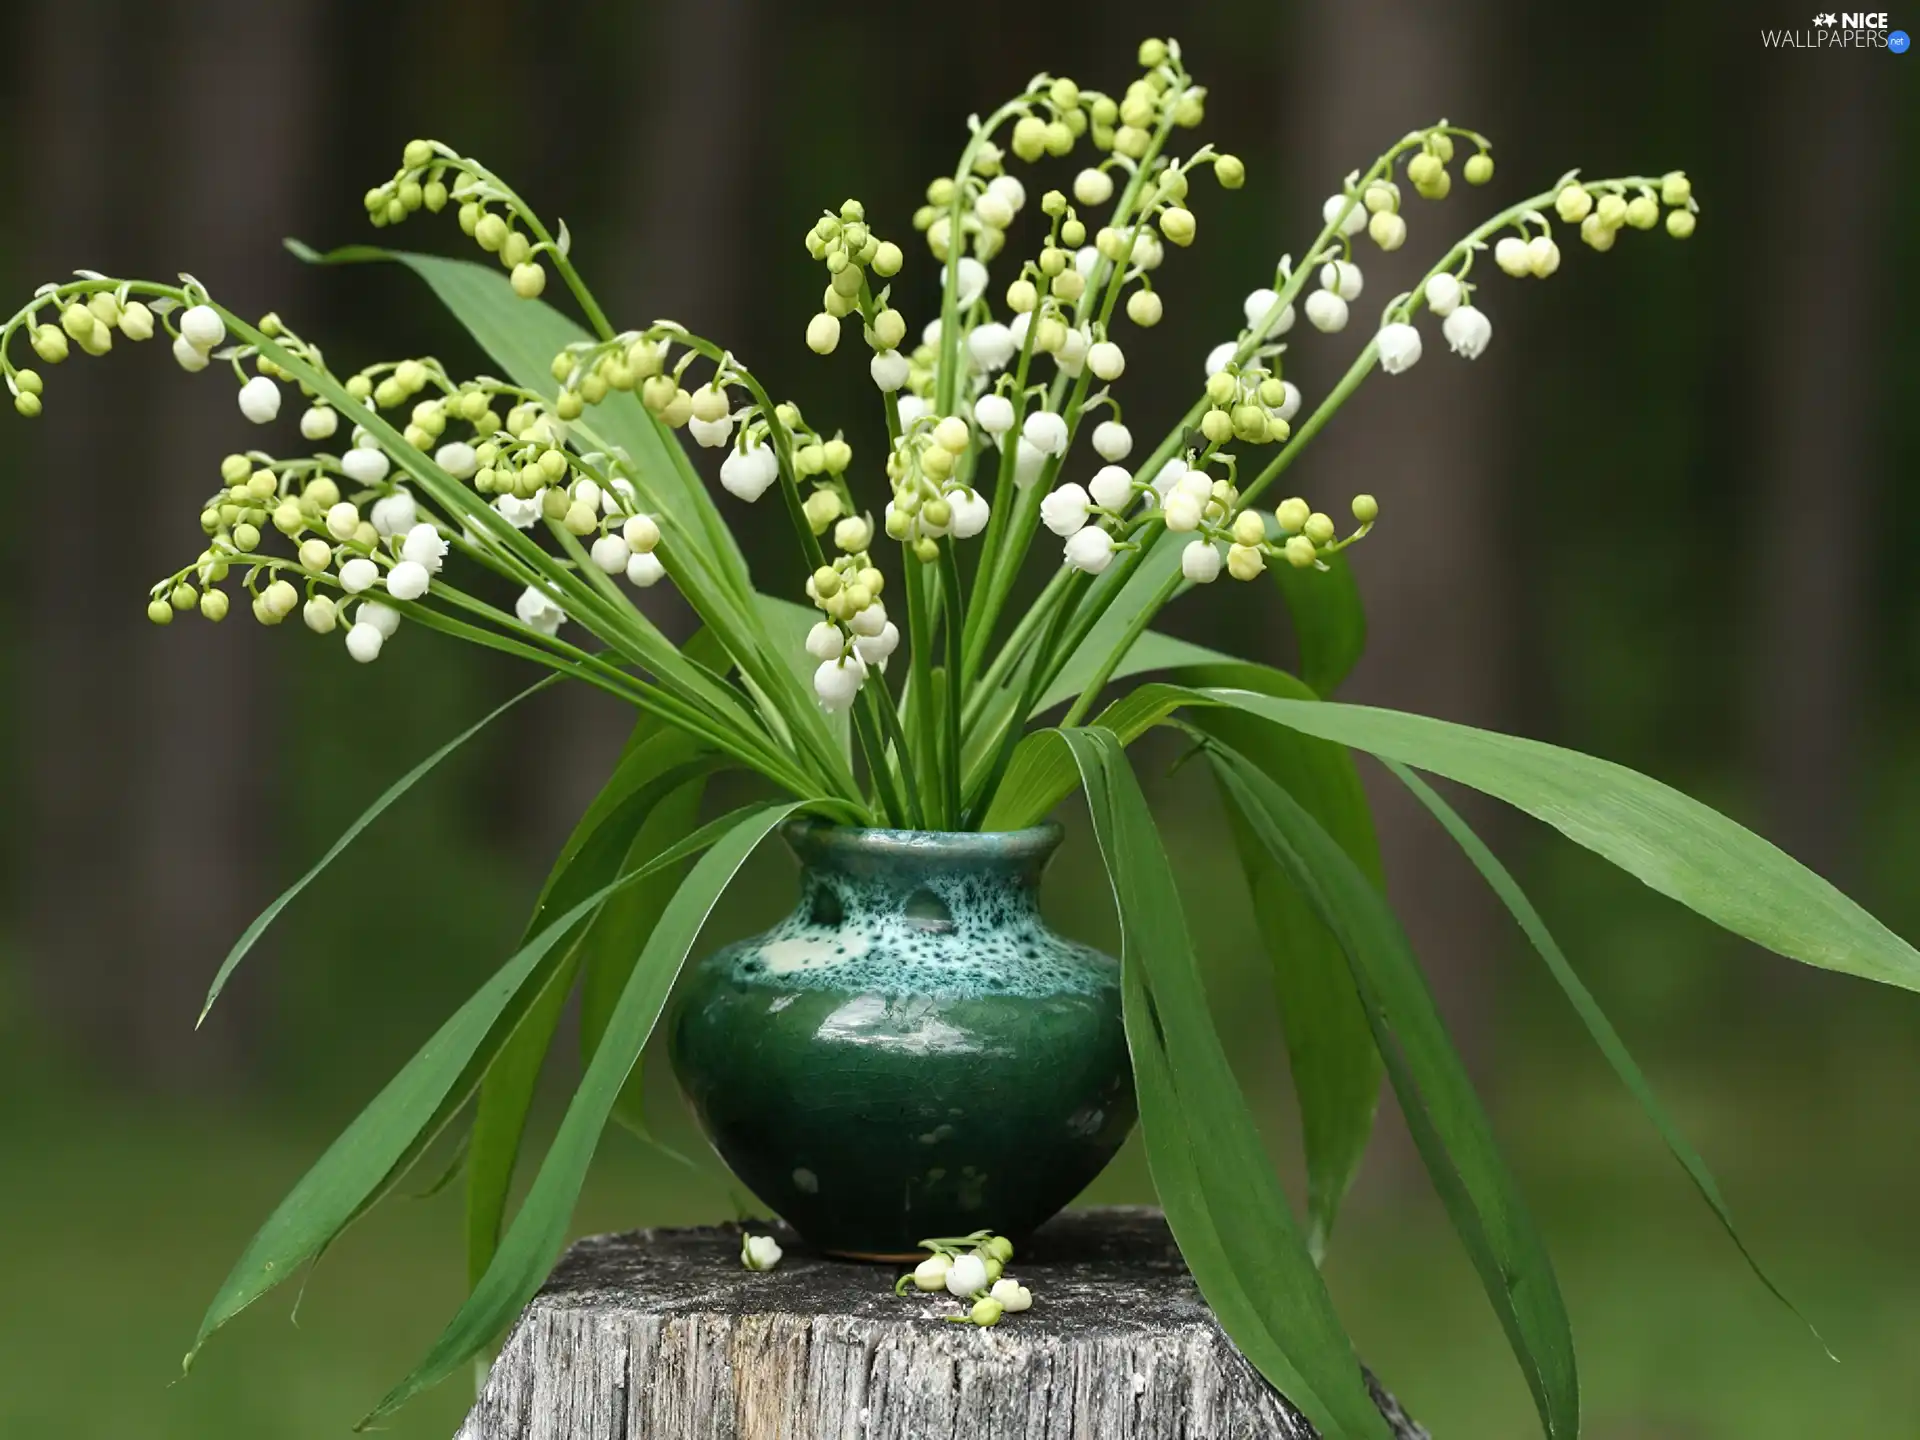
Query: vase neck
(924,874)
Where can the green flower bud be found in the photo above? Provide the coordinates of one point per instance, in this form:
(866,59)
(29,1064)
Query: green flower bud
(359,387)
(322,493)
(469,218)
(434,196)
(78,321)
(1230,171)
(417,153)
(411,196)
(1300,552)
(887,260)
(836,455)
(246,537)
(1068,285)
(315,555)
(1643,212)
(1049,335)
(889,329)
(561,366)
(320,615)
(49,343)
(1058,138)
(1022,297)
(554,504)
(1029,140)
(1064,93)
(1365,509)
(1250,424)
(27,405)
(1479,168)
(1573,203)
(810,459)
(213,605)
(848,280)
(936,462)
(1191,109)
(136,322)
(389,393)
(529,279)
(899,524)
(1222,387)
(1217,426)
(568,405)
(263,485)
(1152,54)
(821,508)
(491,232)
(926,550)
(160,612)
(1680,223)
(396,211)
(1675,188)
(281,598)
(182,596)
(1132,141)
(1597,233)
(1319,528)
(1612,211)
(1292,515)
(581,518)
(823,334)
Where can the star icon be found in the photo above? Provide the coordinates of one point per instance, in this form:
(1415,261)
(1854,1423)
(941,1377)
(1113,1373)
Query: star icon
(1824,19)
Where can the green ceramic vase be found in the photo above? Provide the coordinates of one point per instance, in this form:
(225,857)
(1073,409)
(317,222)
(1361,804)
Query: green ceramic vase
(911,1052)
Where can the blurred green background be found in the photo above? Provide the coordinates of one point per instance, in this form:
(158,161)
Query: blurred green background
(1660,520)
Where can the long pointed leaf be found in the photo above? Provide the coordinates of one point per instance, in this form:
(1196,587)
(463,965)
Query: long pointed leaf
(1444,1116)
(538,1230)
(1328,620)
(365,1158)
(372,813)
(1501,880)
(1673,843)
(1222,1198)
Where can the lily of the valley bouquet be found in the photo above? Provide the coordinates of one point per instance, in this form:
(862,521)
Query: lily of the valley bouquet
(880,677)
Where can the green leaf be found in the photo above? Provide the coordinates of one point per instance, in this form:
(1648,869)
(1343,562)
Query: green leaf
(1328,620)
(1042,774)
(1222,1198)
(367,1158)
(538,1229)
(1152,651)
(1676,845)
(1598,1026)
(372,813)
(1330,1050)
(647,777)
(1444,1116)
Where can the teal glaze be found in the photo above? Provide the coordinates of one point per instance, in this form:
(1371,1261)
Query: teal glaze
(911,1052)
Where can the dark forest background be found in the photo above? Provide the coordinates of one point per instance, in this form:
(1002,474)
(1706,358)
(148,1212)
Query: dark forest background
(1668,518)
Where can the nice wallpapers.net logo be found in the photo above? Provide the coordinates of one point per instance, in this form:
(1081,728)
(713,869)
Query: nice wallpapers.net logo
(1847,30)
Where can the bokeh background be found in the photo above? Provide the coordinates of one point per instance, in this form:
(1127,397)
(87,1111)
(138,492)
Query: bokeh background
(1663,520)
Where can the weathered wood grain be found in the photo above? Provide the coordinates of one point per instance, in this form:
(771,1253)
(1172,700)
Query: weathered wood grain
(660,1335)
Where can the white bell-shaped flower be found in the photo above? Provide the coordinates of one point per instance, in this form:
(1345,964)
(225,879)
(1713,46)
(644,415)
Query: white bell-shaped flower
(1168,476)
(1356,220)
(912,408)
(889,370)
(1111,487)
(1089,549)
(1046,431)
(1182,511)
(521,514)
(611,553)
(967,1276)
(642,533)
(364,642)
(1106,360)
(1444,293)
(1064,510)
(383,618)
(875,648)
(202,327)
(1510,254)
(1029,460)
(824,641)
(189,357)
(970,513)
(1221,356)
(837,681)
(710,433)
(1009,189)
(359,574)
(973,281)
(394,514)
(993,414)
(538,612)
(746,474)
(408,580)
(1112,440)
(1343,277)
(644,569)
(1290,405)
(760,1252)
(319,422)
(426,546)
(991,345)
(1012,1295)
(456,457)
(1468,330)
(365,466)
(260,400)
(1399,347)
(1200,562)
(1326,311)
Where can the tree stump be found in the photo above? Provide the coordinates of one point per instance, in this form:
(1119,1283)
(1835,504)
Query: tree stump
(661,1335)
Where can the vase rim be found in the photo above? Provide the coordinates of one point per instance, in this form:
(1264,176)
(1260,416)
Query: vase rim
(812,838)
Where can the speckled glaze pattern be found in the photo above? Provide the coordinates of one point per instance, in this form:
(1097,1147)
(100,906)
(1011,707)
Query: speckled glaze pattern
(911,1052)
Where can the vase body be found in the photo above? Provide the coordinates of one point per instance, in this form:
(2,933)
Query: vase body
(912,1052)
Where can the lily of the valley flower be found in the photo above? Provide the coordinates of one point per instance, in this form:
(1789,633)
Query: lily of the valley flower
(1467,330)
(1399,347)
(760,1252)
